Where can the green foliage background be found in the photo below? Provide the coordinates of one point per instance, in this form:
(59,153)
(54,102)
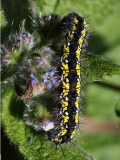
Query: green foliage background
(103,18)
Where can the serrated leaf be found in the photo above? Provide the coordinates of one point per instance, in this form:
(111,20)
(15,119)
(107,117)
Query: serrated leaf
(32,144)
(96,68)
(3,21)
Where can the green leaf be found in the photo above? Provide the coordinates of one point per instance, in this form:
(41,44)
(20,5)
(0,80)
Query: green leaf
(33,145)
(96,68)
(3,21)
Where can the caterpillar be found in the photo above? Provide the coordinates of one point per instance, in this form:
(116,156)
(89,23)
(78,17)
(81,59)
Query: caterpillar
(66,119)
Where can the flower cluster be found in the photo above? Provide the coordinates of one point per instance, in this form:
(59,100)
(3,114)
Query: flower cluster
(14,46)
(33,73)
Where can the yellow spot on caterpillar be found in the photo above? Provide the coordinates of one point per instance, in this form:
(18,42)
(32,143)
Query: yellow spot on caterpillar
(64,103)
(65,92)
(52,140)
(73,28)
(77,117)
(63,131)
(65,55)
(64,108)
(83,33)
(77,67)
(78,91)
(77,103)
(73,132)
(66,85)
(65,66)
(75,21)
(80,41)
(56,140)
(85,24)
(78,53)
(66,49)
(65,73)
(70,36)
(65,118)
(78,72)
(78,85)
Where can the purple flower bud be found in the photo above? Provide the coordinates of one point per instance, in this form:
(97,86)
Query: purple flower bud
(41,63)
(20,37)
(25,37)
(32,76)
(48,55)
(49,86)
(7,61)
(34,80)
(27,40)
(34,83)
(32,69)
(52,72)
(53,80)
(46,74)
(44,81)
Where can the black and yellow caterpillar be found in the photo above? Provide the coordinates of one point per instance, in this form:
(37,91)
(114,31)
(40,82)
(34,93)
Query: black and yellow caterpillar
(74,30)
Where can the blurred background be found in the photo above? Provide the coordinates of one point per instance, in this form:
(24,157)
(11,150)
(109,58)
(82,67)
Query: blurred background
(101,125)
